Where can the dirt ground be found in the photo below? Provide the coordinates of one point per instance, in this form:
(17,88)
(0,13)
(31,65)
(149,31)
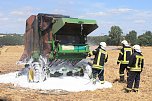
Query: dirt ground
(10,54)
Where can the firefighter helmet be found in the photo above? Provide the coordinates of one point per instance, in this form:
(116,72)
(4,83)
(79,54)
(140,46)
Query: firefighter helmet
(137,48)
(124,42)
(103,45)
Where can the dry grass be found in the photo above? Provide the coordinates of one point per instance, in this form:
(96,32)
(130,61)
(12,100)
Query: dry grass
(10,54)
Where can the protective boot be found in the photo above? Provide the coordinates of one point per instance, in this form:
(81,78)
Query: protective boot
(127,90)
(122,79)
(135,90)
(102,82)
(94,81)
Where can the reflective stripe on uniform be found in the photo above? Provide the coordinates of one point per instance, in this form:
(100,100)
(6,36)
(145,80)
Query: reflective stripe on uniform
(139,60)
(137,64)
(121,53)
(97,66)
(104,52)
(102,82)
(129,89)
(98,61)
(121,74)
(118,61)
(135,69)
(91,53)
(124,61)
(136,89)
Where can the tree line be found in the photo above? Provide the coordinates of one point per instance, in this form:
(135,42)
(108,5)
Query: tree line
(116,36)
(11,39)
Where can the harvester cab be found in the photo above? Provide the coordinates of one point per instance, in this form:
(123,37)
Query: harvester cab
(53,41)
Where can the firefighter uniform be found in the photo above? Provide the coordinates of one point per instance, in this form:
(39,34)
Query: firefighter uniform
(123,60)
(100,58)
(136,63)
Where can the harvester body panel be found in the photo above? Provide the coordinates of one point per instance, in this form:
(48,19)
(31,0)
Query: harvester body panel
(73,26)
(53,40)
(57,36)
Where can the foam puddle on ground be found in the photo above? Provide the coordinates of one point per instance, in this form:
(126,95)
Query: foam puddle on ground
(73,84)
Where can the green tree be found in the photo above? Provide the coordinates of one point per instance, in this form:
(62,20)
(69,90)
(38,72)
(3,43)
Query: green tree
(145,39)
(132,37)
(115,35)
(142,41)
(12,39)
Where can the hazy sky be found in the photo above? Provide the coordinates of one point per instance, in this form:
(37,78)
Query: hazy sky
(128,14)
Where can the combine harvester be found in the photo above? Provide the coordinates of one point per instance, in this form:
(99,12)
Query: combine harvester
(55,45)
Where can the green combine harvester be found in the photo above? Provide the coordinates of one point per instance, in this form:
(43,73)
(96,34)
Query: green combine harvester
(54,45)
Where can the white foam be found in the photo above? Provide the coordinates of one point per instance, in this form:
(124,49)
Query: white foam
(67,83)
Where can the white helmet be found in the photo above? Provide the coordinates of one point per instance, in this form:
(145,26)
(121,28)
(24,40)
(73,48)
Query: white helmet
(125,43)
(137,48)
(103,45)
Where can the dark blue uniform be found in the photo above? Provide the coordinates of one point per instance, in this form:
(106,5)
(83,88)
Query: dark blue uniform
(136,63)
(123,60)
(101,57)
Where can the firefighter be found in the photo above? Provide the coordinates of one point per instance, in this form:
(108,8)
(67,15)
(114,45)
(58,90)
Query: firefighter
(136,63)
(123,59)
(100,58)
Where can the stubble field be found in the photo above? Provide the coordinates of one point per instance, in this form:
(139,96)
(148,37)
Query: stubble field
(10,54)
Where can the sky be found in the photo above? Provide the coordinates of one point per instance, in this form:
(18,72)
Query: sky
(127,14)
